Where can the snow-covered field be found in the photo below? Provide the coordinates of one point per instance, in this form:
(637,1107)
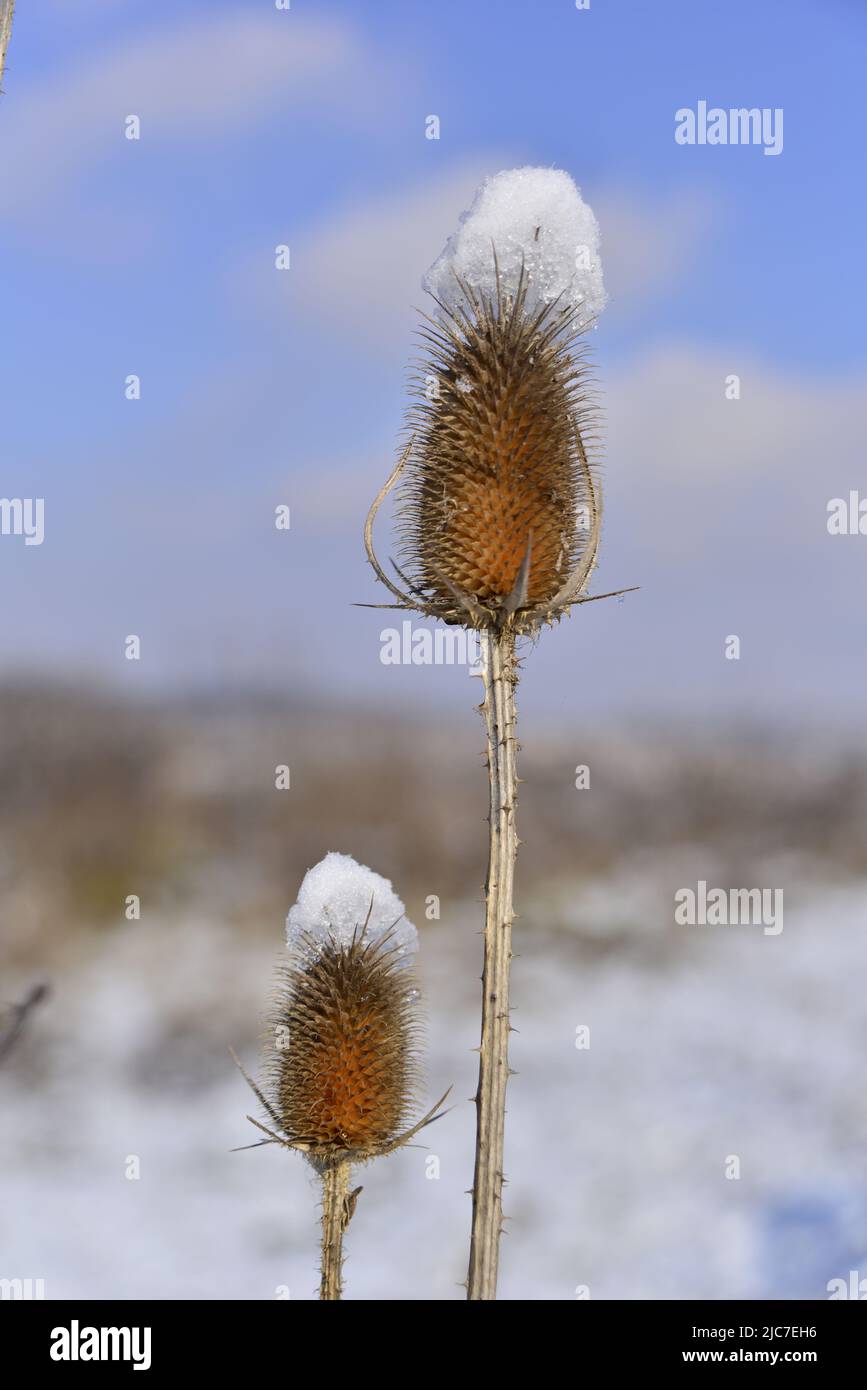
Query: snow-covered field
(713,1045)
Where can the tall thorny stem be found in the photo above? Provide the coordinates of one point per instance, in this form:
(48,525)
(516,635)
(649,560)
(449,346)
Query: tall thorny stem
(336,1211)
(500,676)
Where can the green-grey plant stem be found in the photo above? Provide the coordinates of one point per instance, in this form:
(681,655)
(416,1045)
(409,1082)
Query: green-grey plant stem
(500,677)
(335,1187)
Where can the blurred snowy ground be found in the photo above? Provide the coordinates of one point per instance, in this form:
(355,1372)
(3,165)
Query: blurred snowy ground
(705,1043)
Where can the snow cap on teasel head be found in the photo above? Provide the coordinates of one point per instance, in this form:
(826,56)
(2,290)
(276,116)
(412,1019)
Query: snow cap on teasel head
(498,505)
(343,1060)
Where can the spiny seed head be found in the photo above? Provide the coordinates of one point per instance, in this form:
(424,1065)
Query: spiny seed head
(342,1055)
(499,474)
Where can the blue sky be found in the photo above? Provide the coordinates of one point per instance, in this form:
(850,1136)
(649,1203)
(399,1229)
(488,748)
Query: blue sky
(307,127)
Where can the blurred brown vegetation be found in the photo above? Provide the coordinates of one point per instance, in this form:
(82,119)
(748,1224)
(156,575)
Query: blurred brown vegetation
(174,800)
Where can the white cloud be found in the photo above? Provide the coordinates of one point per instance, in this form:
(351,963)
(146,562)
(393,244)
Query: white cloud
(361,268)
(690,473)
(220,73)
(672,401)
(649,244)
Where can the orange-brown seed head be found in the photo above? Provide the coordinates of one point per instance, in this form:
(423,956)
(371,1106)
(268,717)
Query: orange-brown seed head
(502,424)
(342,1067)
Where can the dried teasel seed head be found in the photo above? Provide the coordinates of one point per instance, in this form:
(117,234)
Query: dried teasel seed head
(343,1046)
(498,503)
(343,1070)
(499,474)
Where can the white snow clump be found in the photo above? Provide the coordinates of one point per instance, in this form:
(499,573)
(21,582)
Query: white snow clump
(334,901)
(534,216)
